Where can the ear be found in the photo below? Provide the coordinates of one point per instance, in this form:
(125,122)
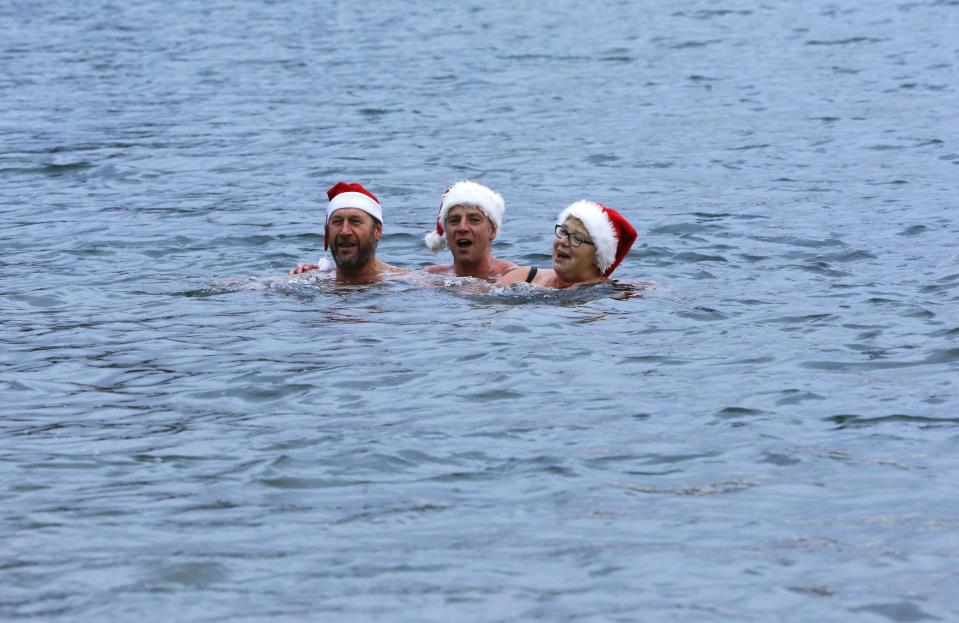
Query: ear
(378,231)
(492,233)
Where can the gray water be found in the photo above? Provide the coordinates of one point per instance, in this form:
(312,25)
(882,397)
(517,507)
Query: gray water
(768,433)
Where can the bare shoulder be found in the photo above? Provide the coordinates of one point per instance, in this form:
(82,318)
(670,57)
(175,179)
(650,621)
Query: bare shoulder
(439,269)
(501,267)
(393,270)
(545,277)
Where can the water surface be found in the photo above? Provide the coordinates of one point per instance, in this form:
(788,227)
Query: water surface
(768,434)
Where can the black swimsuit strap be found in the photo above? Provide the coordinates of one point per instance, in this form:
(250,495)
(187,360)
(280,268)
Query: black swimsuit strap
(532,273)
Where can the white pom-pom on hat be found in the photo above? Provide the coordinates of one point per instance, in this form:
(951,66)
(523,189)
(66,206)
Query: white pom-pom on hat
(434,241)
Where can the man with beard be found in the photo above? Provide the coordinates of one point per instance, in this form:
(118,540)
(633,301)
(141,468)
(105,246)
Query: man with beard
(470,217)
(354,225)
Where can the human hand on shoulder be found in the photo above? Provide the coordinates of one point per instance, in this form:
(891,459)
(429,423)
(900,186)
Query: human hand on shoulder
(304,268)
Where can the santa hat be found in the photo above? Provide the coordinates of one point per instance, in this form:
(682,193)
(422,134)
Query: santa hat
(347,195)
(466,193)
(611,232)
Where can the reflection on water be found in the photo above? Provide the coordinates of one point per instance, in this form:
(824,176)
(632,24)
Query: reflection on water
(757,423)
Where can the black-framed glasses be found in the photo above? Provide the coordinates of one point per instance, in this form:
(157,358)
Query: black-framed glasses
(574,240)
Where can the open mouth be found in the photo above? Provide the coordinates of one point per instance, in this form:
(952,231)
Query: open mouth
(463,243)
(560,255)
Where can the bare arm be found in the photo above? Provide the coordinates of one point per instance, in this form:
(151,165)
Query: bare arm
(501,267)
(439,269)
(517,274)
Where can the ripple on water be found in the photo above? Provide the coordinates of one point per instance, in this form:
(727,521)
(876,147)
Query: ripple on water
(412,510)
(50,170)
(688,228)
(796,396)
(692,258)
(177,447)
(707,489)
(821,268)
(845,41)
(731,413)
(703,314)
(194,574)
(859,421)
(808,318)
(798,241)
(657,359)
(899,611)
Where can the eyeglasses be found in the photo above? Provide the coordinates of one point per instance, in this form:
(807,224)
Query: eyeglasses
(574,240)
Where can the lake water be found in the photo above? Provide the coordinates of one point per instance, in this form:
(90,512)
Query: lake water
(770,433)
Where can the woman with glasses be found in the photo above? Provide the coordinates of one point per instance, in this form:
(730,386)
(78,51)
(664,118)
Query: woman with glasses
(591,240)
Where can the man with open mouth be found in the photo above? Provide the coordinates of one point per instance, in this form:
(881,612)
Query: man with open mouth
(470,217)
(354,226)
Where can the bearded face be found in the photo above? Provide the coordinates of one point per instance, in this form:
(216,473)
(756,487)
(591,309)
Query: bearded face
(353,237)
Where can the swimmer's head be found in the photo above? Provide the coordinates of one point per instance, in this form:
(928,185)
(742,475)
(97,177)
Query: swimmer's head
(352,235)
(606,235)
(351,195)
(474,204)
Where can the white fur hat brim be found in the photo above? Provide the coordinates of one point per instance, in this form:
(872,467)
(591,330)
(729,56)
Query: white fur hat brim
(354,200)
(434,241)
(473,194)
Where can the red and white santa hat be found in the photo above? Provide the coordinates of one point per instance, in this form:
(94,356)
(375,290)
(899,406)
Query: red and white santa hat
(466,193)
(611,232)
(350,195)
